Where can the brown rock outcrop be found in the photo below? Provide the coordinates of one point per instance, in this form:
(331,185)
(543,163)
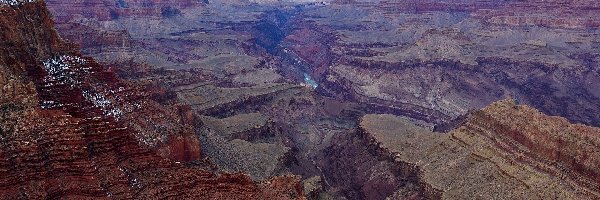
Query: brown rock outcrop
(502,151)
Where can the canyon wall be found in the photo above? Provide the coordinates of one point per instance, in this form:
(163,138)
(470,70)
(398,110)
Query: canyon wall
(281,88)
(502,151)
(67,128)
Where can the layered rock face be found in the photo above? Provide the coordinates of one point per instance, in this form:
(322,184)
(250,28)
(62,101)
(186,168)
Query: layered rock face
(434,63)
(573,14)
(89,36)
(496,153)
(280,88)
(113,9)
(71,129)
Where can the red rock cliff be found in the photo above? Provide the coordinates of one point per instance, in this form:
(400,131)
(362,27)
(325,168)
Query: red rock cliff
(64,130)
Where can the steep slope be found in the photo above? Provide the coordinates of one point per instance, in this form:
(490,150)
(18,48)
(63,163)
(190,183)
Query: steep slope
(504,151)
(66,128)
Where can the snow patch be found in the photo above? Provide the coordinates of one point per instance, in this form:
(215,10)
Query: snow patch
(15,2)
(97,99)
(60,69)
(50,104)
(100,101)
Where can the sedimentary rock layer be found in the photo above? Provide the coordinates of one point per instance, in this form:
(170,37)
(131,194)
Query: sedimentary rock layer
(431,62)
(63,132)
(504,151)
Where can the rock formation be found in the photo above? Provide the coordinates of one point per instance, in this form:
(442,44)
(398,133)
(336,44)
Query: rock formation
(271,89)
(71,129)
(505,151)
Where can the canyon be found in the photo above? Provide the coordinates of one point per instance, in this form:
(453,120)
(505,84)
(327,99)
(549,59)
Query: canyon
(254,99)
(72,129)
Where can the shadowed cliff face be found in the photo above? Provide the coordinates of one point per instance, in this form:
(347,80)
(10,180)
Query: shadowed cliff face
(70,128)
(272,29)
(270,89)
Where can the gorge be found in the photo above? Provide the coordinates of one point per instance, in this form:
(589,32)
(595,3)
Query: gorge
(235,99)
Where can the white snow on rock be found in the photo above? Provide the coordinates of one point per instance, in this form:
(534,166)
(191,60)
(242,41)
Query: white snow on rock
(67,70)
(100,101)
(97,99)
(62,70)
(15,2)
(59,69)
(50,104)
